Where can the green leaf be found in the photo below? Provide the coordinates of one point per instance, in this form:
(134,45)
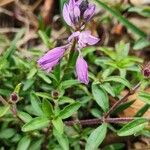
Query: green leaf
(36,104)
(69,110)
(36,145)
(116,146)
(107,87)
(12,47)
(25,117)
(58,124)
(101,97)
(62,140)
(17,88)
(142,110)
(118,79)
(141,43)
(44,38)
(27,84)
(123,107)
(69,83)
(3,110)
(122,19)
(47,108)
(44,77)
(144,96)
(36,123)
(24,143)
(32,72)
(7,133)
(96,137)
(43,95)
(133,127)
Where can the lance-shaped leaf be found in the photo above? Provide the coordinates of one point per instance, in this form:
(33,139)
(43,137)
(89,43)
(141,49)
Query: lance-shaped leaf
(96,137)
(36,123)
(100,97)
(133,127)
(69,110)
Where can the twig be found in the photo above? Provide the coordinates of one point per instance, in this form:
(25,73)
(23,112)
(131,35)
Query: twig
(7,30)
(90,122)
(45,143)
(3,101)
(122,100)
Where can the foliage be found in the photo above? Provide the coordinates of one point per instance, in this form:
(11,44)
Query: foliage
(51,105)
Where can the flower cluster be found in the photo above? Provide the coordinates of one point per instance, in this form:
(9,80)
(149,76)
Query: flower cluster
(76,13)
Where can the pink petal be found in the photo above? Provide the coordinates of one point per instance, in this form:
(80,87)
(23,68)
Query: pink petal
(82,70)
(66,15)
(88,14)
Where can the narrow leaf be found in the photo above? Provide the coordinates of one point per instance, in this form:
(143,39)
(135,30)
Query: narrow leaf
(24,143)
(58,124)
(3,110)
(133,127)
(96,137)
(36,104)
(100,97)
(47,108)
(62,140)
(118,79)
(69,110)
(36,123)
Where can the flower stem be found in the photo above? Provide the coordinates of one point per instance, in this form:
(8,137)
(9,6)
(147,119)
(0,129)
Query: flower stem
(122,100)
(90,122)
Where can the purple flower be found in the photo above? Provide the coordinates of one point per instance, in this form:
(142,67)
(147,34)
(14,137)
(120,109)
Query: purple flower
(51,58)
(82,70)
(76,11)
(84,38)
(71,13)
(89,12)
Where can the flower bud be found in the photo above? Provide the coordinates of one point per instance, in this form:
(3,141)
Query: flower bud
(14,97)
(146,70)
(82,70)
(55,94)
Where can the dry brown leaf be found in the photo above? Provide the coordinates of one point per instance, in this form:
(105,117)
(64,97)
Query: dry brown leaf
(140,2)
(135,107)
(5,2)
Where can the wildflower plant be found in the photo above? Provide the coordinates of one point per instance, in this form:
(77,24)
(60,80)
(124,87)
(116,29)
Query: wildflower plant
(76,14)
(43,105)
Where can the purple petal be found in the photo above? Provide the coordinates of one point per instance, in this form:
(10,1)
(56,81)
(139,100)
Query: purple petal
(88,14)
(52,55)
(73,35)
(71,4)
(85,38)
(82,70)
(91,40)
(76,11)
(66,15)
(51,58)
(49,66)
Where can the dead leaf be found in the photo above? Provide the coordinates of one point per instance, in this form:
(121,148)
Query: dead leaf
(135,107)
(5,2)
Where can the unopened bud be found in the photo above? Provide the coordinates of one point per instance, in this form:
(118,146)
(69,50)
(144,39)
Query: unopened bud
(55,94)
(146,70)
(83,6)
(14,97)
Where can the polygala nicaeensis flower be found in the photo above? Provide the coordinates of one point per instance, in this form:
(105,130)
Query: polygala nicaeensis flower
(76,13)
(84,38)
(82,70)
(51,58)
